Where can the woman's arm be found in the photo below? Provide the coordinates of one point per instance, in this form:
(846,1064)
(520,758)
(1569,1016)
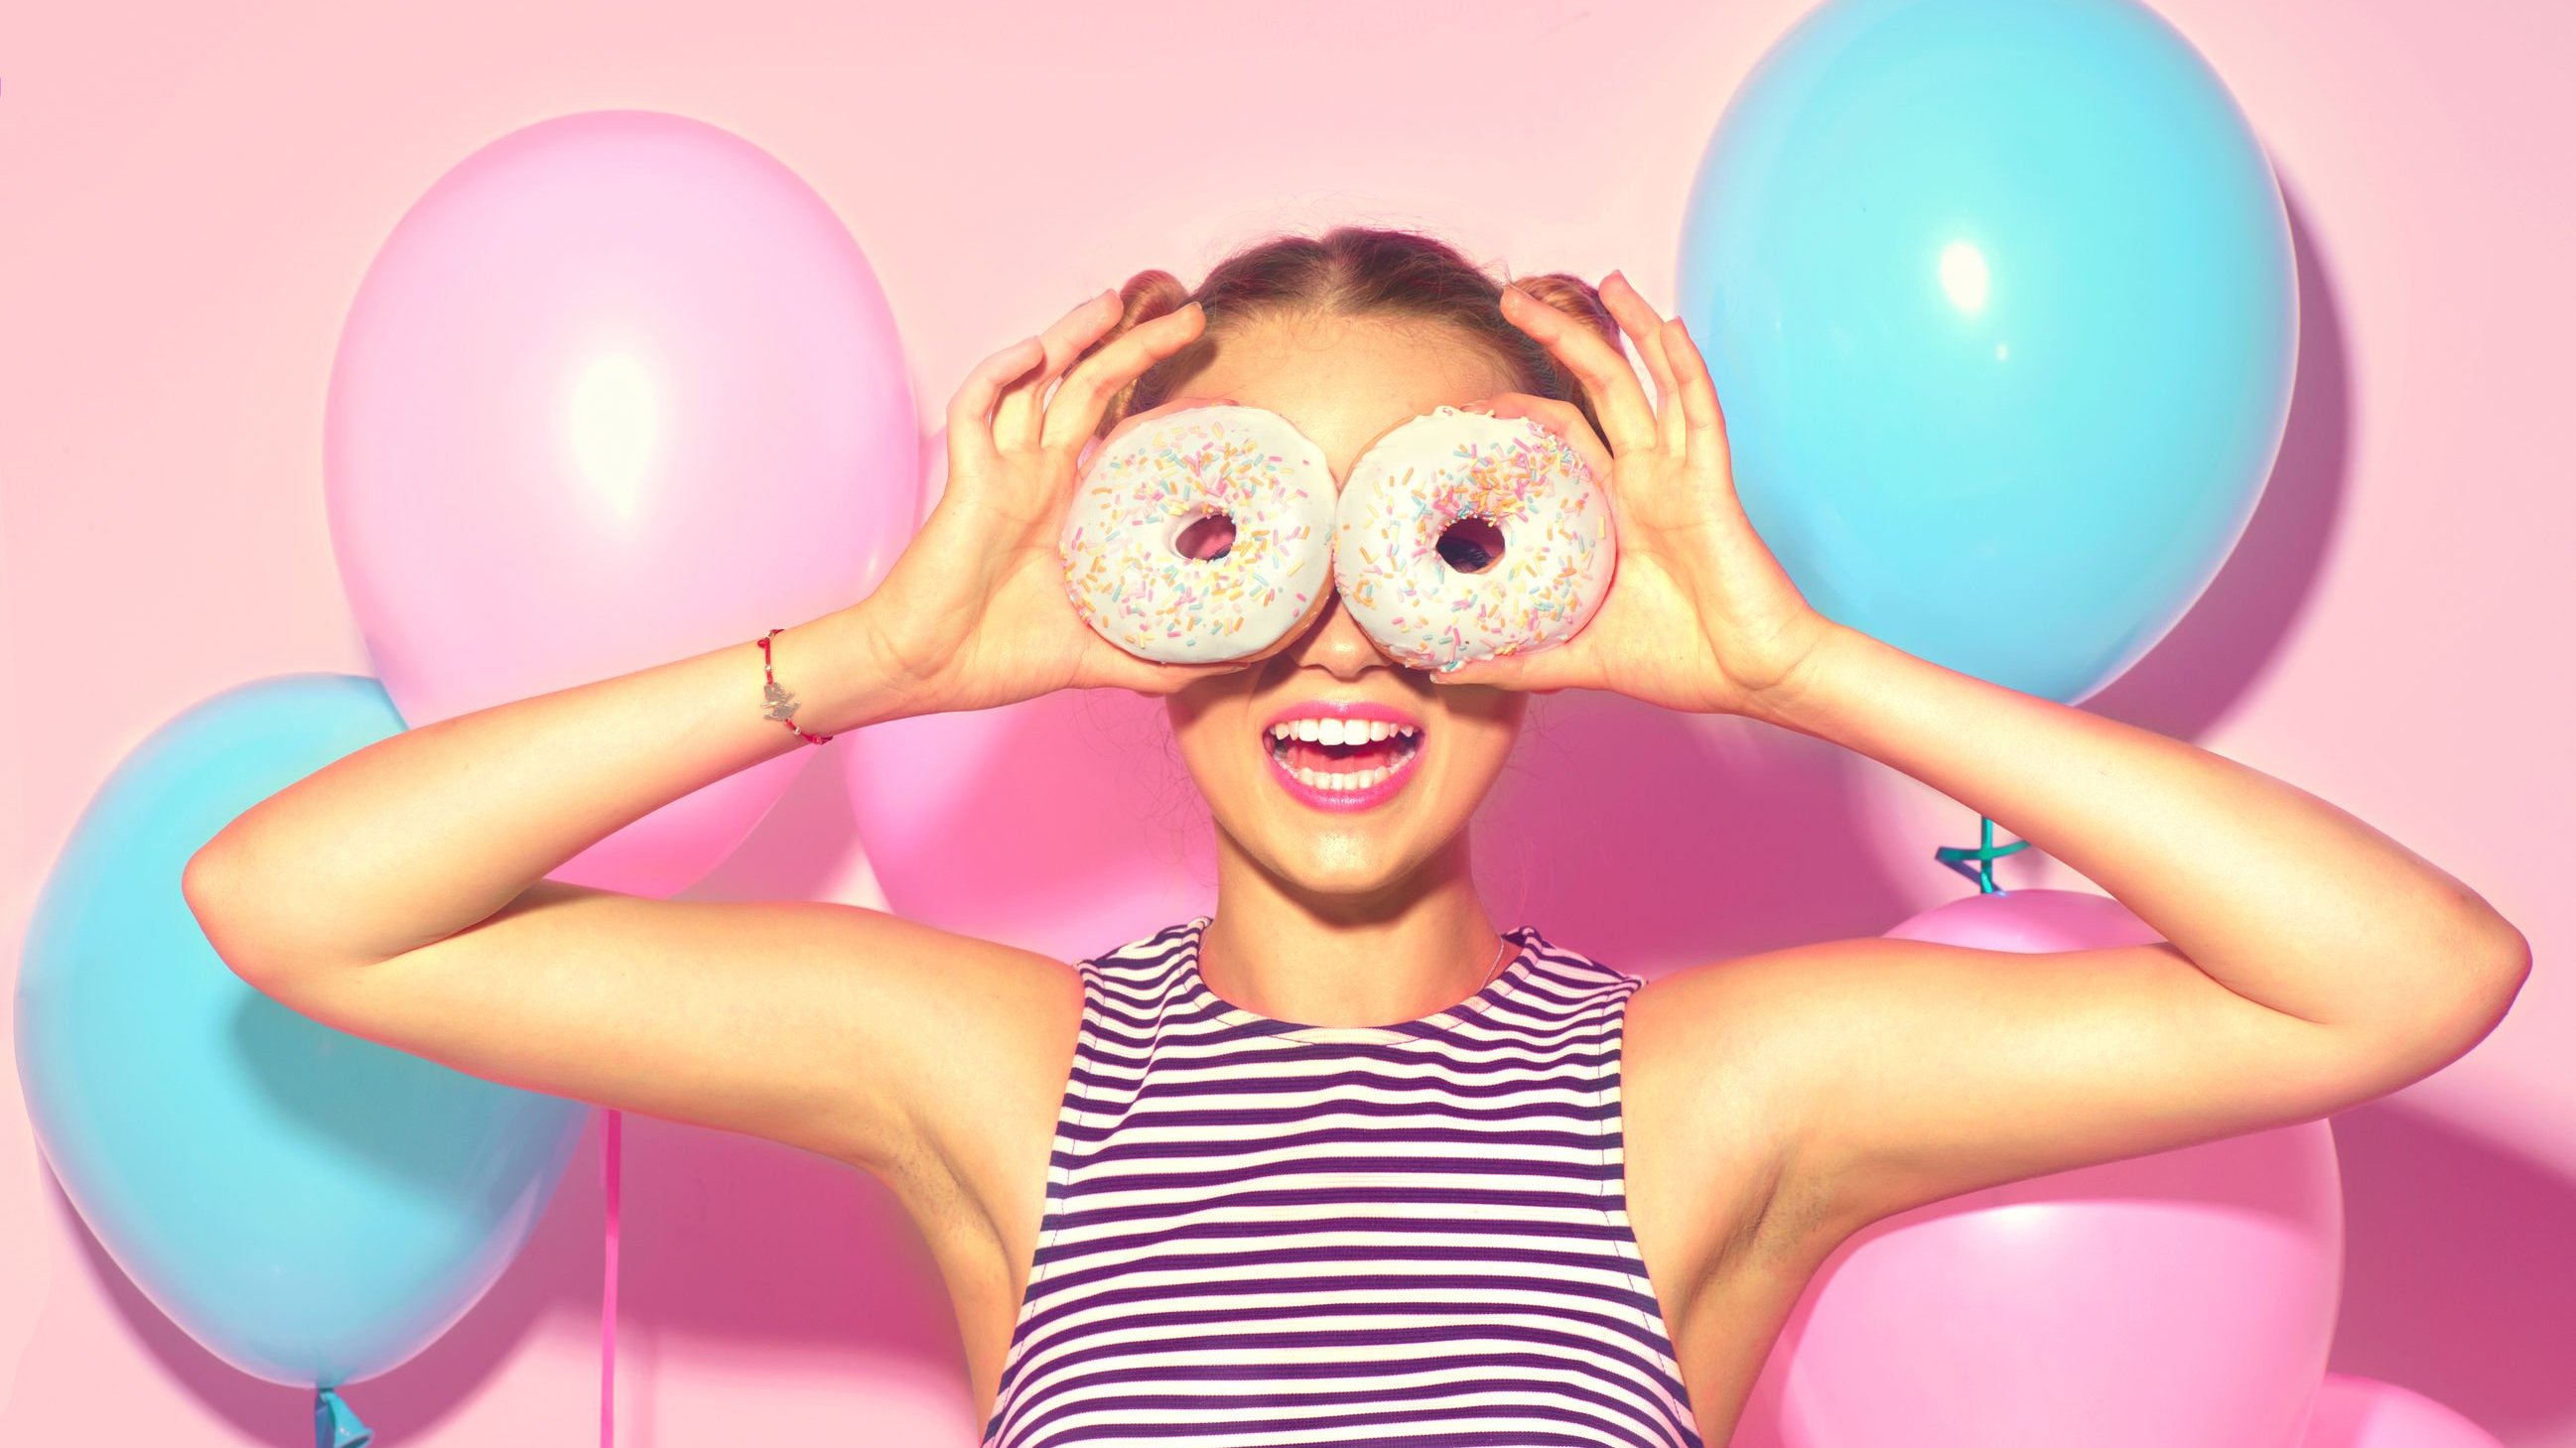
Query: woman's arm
(2309,961)
(420,835)
(398,893)
(2281,897)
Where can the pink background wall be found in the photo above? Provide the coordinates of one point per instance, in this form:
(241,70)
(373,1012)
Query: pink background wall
(189,195)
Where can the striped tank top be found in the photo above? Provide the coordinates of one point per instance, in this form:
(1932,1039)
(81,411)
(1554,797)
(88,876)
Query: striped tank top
(1263,1233)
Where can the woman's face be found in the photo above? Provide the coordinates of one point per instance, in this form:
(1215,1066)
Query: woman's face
(1344,383)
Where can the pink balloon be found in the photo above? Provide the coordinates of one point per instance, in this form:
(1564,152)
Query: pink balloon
(2356,1412)
(619,389)
(1061,825)
(2183,1297)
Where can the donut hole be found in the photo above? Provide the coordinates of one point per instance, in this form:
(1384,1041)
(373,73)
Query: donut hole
(1206,537)
(1471,545)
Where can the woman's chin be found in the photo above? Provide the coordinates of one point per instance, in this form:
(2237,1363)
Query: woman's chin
(1339,860)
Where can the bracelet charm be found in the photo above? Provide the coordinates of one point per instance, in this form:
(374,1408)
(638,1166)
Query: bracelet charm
(777,703)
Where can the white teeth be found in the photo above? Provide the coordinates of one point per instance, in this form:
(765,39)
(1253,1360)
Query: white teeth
(1340,731)
(1334,782)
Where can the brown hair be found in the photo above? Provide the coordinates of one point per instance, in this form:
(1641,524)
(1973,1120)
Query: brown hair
(1353,271)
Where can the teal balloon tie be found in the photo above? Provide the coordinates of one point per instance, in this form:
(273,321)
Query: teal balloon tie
(335,1425)
(1957,857)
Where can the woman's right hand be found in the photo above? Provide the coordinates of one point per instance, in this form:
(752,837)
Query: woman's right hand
(974,613)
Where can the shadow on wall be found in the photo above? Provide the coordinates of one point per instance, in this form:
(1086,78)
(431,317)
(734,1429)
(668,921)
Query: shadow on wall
(2187,682)
(2458,1281)
(1646,838)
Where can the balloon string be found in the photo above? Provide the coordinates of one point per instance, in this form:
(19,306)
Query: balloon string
(335,1425)
(608,1286)
(1957,857)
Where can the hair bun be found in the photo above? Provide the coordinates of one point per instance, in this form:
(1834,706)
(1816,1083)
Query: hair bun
(1576,298)
(1580,300)
(1148,294)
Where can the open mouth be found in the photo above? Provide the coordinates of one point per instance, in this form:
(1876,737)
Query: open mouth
(1342,755)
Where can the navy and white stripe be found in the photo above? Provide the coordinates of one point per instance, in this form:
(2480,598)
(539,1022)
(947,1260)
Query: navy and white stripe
(1258,1233)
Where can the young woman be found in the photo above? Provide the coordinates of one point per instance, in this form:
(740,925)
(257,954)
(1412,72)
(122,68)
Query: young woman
(1342,1157)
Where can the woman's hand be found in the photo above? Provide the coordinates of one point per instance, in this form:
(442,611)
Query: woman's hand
(1699,615)
(974,614)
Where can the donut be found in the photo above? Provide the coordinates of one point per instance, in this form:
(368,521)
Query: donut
(1558,546)
(1123,548)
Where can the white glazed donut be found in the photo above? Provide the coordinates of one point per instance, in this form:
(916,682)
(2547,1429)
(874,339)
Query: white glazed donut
(1123,563)
(1559,547)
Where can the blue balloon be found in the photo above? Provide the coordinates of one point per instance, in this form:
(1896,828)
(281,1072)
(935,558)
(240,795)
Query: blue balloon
(311,1206)
(1999,299)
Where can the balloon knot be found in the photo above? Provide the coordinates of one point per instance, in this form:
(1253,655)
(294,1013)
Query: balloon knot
(335,1425)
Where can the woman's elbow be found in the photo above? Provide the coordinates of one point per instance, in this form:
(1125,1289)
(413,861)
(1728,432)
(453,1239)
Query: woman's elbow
(211,884)
(2484,979)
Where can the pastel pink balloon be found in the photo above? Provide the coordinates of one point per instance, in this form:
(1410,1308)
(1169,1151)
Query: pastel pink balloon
(619,389)
(1062,825)
(2183,1297)
(2357,1412)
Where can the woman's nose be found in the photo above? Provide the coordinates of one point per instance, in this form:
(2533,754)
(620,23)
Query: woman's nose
(1335,642)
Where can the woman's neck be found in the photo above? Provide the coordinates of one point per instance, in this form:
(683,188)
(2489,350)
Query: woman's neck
(1411,950)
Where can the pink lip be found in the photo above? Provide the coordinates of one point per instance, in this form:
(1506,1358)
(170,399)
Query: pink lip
(1343,799)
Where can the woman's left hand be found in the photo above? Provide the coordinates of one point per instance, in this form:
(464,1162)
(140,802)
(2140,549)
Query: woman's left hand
(1699,616)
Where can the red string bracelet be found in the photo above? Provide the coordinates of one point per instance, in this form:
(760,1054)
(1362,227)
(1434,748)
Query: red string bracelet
(778,703)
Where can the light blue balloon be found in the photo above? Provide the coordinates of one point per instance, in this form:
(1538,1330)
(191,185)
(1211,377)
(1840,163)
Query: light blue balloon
(1999,299)
(312,1207)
